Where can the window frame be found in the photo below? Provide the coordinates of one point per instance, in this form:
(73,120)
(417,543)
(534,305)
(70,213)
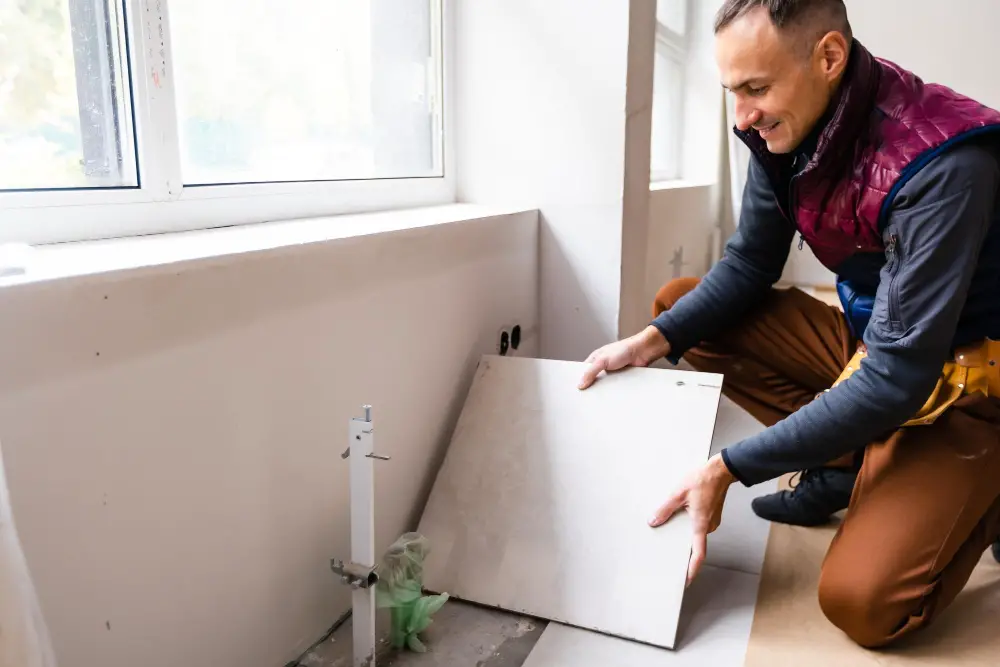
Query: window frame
(675,47)
(161,203)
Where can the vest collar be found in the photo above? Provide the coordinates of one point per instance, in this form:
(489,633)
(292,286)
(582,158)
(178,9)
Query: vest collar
(849,113)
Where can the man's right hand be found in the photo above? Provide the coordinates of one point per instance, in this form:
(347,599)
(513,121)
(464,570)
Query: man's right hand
(638,350)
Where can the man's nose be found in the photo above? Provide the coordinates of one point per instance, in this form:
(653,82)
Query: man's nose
(746,116)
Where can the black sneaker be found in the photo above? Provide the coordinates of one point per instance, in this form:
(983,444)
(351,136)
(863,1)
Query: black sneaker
(819,494)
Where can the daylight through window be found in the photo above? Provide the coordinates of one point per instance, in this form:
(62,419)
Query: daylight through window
(668,89)
(161,105)
(65,104)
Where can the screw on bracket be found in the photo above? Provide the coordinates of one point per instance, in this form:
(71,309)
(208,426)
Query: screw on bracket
(354,575)
(380,457)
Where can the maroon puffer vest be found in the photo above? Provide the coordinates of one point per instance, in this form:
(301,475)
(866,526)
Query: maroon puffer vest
(886,124)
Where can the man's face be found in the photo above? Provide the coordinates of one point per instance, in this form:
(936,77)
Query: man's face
(781,85)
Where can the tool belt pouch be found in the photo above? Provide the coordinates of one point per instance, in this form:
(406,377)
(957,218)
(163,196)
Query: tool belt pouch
(958,377)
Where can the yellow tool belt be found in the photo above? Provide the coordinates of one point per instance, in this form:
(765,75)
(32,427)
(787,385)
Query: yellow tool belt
(975,368)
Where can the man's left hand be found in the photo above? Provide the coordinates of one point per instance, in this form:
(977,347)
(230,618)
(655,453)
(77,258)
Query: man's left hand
(703,493)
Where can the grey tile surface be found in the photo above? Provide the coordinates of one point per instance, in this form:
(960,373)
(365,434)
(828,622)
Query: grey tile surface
(741,538)
(542,504)
(715,631)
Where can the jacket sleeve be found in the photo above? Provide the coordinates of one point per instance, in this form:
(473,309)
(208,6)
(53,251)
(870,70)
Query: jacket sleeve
(936,228)
(753,261)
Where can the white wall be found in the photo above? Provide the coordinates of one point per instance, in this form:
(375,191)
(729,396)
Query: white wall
(541,122)
(683,215)
(173,437)
(952,43)
(681,220)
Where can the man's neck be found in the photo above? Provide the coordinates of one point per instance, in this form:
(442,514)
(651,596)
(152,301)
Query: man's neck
(807,147)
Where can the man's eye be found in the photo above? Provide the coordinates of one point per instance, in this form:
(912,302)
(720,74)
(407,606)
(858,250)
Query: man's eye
(757,91)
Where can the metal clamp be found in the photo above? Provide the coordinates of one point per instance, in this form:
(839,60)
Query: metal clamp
(354,575)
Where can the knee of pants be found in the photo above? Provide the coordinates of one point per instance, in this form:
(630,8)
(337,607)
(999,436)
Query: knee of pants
(671,293)
(860,609)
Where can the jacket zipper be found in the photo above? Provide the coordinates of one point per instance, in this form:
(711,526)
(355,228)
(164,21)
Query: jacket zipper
(894,259)
(791,207)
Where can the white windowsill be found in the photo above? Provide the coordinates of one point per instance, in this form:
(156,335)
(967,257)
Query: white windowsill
(82,259)
(677,184)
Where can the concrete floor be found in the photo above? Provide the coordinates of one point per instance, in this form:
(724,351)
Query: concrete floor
(462,635)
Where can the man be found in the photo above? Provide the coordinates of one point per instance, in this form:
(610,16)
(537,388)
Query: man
(891,407)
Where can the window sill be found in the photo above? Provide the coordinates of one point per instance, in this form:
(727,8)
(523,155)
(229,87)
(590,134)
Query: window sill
(96,259)
(677,184)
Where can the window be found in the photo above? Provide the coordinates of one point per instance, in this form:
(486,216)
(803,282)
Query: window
(65,106)
(137,116)
(668,89)
(326,90)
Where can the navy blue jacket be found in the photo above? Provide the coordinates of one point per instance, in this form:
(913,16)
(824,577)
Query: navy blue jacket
(943,268)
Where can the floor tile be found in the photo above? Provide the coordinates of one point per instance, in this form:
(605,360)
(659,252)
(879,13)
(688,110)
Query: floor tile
(715,627)
(542,503)
(741,539)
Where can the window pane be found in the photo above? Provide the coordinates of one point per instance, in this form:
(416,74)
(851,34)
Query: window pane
(667,113)
(64,107)
(305,90)
(673,14)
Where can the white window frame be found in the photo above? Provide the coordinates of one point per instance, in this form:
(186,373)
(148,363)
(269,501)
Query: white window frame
(162,203)
(675,46)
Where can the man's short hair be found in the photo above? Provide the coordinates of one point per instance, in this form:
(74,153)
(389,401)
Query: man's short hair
(814,17)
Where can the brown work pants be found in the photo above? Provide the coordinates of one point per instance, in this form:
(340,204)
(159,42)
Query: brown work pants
(926,503)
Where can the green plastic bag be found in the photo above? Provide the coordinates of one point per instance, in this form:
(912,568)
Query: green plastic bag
(400,589)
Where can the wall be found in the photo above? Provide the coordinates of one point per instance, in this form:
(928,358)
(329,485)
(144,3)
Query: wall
(684,215)
(952,44)
(681,220)
(542,121)
(173,436)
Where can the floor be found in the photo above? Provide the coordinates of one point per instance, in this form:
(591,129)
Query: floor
(789,628)
(462,635)
(717,609)
(715,620)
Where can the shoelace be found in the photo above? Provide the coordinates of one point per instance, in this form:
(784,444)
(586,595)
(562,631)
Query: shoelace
(804,479)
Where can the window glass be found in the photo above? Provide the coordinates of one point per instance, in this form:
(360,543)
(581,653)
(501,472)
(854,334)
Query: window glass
(65,109)
(301,90)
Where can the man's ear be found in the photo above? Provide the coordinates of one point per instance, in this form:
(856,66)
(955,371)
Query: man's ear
(832,50)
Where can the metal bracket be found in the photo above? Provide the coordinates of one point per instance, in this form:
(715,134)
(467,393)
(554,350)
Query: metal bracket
(354,575)
(366,419)
(360,572)
(373,455)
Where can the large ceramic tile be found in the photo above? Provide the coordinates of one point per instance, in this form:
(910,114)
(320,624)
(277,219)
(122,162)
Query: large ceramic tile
(715,628)
(740,541)
(542,502)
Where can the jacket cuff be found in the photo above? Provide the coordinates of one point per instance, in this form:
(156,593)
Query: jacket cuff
(679,343)
(733,470)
